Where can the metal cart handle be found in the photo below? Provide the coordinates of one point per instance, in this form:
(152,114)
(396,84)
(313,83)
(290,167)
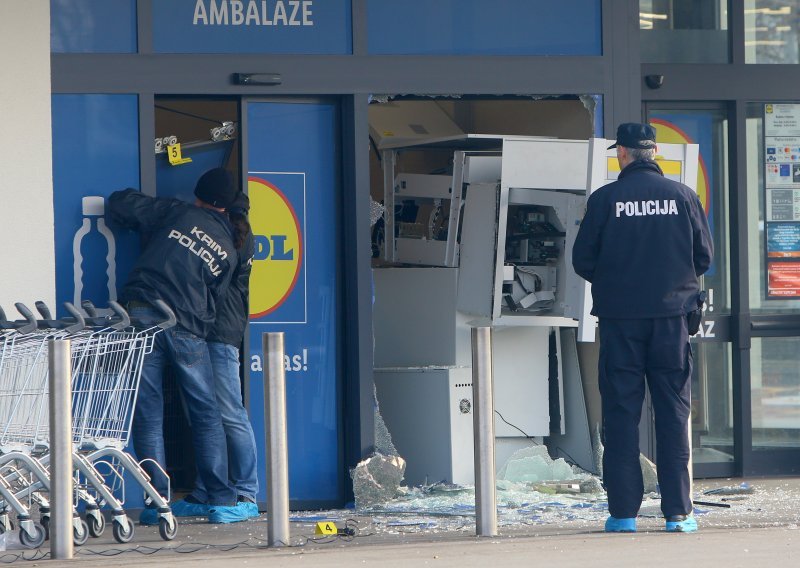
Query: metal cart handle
(32,325)
(79,324)
(89,308)
(162,306)
(124,318)
(43,310)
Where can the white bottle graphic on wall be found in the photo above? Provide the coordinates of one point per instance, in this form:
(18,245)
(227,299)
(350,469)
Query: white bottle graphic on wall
(93,219)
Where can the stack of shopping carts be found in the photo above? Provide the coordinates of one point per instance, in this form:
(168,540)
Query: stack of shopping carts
(108,351)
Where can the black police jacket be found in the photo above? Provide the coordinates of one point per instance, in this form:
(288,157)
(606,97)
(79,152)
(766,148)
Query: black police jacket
(232,308)
(188,258)
(642,244)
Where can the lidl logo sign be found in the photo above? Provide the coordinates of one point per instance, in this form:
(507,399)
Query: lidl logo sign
(277,283)
(669,132)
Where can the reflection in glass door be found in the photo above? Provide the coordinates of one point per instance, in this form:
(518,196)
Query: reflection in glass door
(712,399)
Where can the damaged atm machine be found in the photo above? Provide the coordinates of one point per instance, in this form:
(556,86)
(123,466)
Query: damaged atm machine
(488,242)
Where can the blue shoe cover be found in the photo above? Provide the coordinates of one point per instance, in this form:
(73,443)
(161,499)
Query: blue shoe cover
(250,508)
(225,514)
(620,525)
(689,524)
(184,508)
(149,517)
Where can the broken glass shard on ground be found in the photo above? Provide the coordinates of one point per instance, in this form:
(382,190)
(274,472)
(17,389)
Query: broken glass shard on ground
(533,464)
(532,488)
(377,479)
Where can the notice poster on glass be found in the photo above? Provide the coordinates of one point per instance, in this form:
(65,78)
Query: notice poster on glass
(782,199)
(783,279)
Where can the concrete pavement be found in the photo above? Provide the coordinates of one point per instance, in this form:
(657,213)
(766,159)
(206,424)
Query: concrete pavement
(759,529)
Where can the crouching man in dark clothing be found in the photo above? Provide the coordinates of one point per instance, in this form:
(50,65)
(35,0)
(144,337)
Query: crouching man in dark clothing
(187,262)
(643,243)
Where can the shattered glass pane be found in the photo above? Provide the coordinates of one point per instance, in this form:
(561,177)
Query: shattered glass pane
(533,464)
(375,211)
(377,479)
(383,439)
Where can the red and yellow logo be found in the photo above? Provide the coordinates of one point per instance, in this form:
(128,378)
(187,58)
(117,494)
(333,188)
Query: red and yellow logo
(278,253)
(669,133)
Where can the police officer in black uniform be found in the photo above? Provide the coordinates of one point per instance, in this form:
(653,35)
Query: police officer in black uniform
(642,244)
(187,261)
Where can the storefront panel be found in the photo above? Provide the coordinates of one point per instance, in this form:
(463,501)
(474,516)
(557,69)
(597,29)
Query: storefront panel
(95,152)
(775,380)
(89,26)
(772,33)
(253,26)
(484,27)
(684,31)
(292,169)
(773,194)
(708,129)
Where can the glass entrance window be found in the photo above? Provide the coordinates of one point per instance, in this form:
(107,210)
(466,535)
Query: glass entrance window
(773,203)
(775,383)
(684,31)
(708,128)
(712,403)
(772,31)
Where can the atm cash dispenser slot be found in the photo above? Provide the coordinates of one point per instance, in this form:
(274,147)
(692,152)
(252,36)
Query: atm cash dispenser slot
(534,246)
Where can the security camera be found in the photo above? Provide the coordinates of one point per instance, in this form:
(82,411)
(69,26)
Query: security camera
(654,81)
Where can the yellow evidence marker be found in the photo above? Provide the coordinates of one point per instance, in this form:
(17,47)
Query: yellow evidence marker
(325,527)
(174,155)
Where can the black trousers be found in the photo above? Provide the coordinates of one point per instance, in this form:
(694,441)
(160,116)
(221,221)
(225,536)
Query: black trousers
(631,351)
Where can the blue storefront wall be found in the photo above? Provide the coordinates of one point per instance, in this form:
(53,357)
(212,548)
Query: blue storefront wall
(293,170)
(93,26)
(95,152)
(252,26)
(411,27)
(484,27)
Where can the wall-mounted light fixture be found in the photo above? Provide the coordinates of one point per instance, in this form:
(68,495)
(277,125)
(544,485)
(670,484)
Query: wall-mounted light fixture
(257,79)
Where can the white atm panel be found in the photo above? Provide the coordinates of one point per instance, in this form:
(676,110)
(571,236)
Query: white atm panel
(545,163)
(429,415)
(476,287)
(422,185)
(521,365)
(482,168)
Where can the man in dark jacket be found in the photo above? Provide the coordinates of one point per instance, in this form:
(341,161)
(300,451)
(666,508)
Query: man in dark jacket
(642,244)
(187,262)
(224,343)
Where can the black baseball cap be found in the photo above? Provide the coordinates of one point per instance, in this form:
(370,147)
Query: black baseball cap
(216,188)
(635,135)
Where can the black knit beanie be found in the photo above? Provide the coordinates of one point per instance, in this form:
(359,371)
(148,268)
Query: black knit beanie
(216,188)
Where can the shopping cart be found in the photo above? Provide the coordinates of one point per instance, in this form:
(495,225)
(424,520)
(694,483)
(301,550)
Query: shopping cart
(24,422)
(105,383)
(107,357)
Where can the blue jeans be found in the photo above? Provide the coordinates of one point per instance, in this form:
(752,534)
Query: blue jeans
(188,356)
(242,466)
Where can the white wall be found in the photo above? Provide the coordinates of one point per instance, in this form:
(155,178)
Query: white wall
(26,179)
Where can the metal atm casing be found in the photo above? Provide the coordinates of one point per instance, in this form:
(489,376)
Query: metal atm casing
(423,314)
